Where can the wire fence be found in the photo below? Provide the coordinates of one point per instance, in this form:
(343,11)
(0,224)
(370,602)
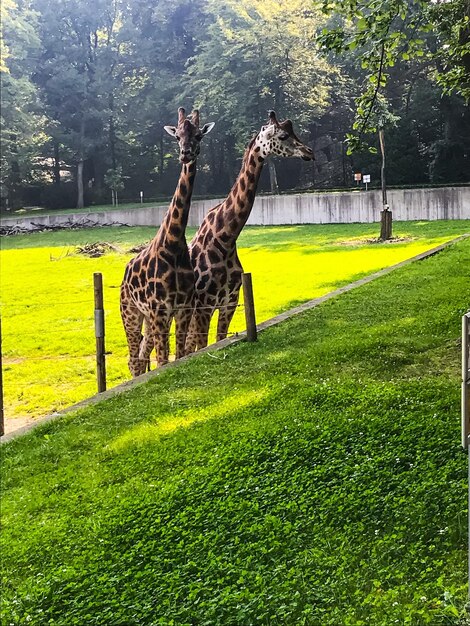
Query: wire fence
(116,358)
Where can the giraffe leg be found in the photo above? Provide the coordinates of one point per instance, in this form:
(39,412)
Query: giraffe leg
(182,323)
(198,330)
(157,335)
(162,341)
(226,314)
(146,346)
(132,320)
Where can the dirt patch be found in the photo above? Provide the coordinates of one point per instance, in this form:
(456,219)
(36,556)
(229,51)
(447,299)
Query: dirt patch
(15,423)
(139,247)
(97,249)
(364,242)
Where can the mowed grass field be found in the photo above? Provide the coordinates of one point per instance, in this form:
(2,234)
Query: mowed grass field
(314,478)
(47,295)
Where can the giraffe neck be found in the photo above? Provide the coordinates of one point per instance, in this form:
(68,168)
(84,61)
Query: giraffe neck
(173,227)
(235,210)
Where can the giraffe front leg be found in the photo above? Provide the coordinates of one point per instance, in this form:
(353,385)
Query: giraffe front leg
(199,329)
(182,324)
(226,314)
(146,347)
(159,332)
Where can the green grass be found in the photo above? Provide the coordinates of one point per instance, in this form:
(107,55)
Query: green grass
(47,294)
(314,478)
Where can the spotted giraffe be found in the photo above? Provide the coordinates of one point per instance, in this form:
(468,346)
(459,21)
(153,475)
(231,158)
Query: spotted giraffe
(213,250)
(158,283)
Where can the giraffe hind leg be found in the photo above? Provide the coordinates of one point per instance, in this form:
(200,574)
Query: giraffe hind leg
(132,320)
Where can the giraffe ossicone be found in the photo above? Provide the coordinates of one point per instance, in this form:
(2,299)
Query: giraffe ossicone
(213,250)
(158,284)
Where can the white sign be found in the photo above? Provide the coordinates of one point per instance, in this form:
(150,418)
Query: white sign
(366,178)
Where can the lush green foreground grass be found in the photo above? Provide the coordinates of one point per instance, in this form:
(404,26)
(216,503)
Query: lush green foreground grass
(314,478)
(47,294)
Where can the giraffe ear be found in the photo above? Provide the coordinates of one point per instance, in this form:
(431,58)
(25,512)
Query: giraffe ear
(270,131)
(207,128)
(171,130)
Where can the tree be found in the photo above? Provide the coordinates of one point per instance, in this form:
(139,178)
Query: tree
(257,55)
(386,32)
(73,75)
(22,118)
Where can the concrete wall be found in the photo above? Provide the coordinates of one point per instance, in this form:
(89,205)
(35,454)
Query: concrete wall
(313,208)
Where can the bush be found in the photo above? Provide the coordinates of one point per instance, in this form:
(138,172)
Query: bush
(62,196)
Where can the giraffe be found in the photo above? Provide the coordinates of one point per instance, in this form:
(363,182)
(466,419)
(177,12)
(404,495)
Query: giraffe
(213,250)
(158,283)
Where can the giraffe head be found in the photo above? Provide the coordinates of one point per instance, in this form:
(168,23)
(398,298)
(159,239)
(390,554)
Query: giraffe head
(279,138)
(188,134)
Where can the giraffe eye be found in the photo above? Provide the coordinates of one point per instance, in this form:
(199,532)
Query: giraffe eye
(283,135)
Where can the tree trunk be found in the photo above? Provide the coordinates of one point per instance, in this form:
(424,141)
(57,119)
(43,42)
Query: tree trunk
(386,214)
(80,194)
(343,163)
(162,155)
(56,166)
(112,131)
(273,177)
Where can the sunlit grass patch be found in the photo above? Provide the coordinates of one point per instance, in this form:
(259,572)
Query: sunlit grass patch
(145,433)
(47,295)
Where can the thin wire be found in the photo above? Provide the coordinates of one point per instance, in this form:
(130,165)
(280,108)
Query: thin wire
(45,306)
(177,308)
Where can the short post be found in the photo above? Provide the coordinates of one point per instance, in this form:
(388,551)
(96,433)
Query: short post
(141,197)
(99,332)
(251,332)
(385,224)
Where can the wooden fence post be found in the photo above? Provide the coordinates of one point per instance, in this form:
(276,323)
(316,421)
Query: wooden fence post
(99,332)
(251,332)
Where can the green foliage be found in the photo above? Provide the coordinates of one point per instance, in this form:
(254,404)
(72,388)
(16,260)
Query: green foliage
(93,84)
(113,178)
(326,487)
(259,55)
(400,32)
(22,132)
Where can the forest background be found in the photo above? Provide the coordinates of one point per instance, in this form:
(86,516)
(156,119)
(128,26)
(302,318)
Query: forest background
(88,86)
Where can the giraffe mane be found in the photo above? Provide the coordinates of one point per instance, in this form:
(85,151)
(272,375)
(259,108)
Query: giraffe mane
(247,150)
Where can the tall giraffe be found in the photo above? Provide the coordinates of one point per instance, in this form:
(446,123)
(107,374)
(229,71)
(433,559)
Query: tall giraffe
(213,250)
(158,283)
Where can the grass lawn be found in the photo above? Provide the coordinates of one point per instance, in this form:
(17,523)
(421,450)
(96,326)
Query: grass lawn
(314,478)
(47,294)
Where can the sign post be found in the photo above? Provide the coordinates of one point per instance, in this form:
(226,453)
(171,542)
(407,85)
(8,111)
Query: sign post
(357,178)
(465,380)
(466,412)
(141,197)
(366,179)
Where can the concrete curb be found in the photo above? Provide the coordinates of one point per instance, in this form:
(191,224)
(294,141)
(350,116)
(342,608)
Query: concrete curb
(306,306)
